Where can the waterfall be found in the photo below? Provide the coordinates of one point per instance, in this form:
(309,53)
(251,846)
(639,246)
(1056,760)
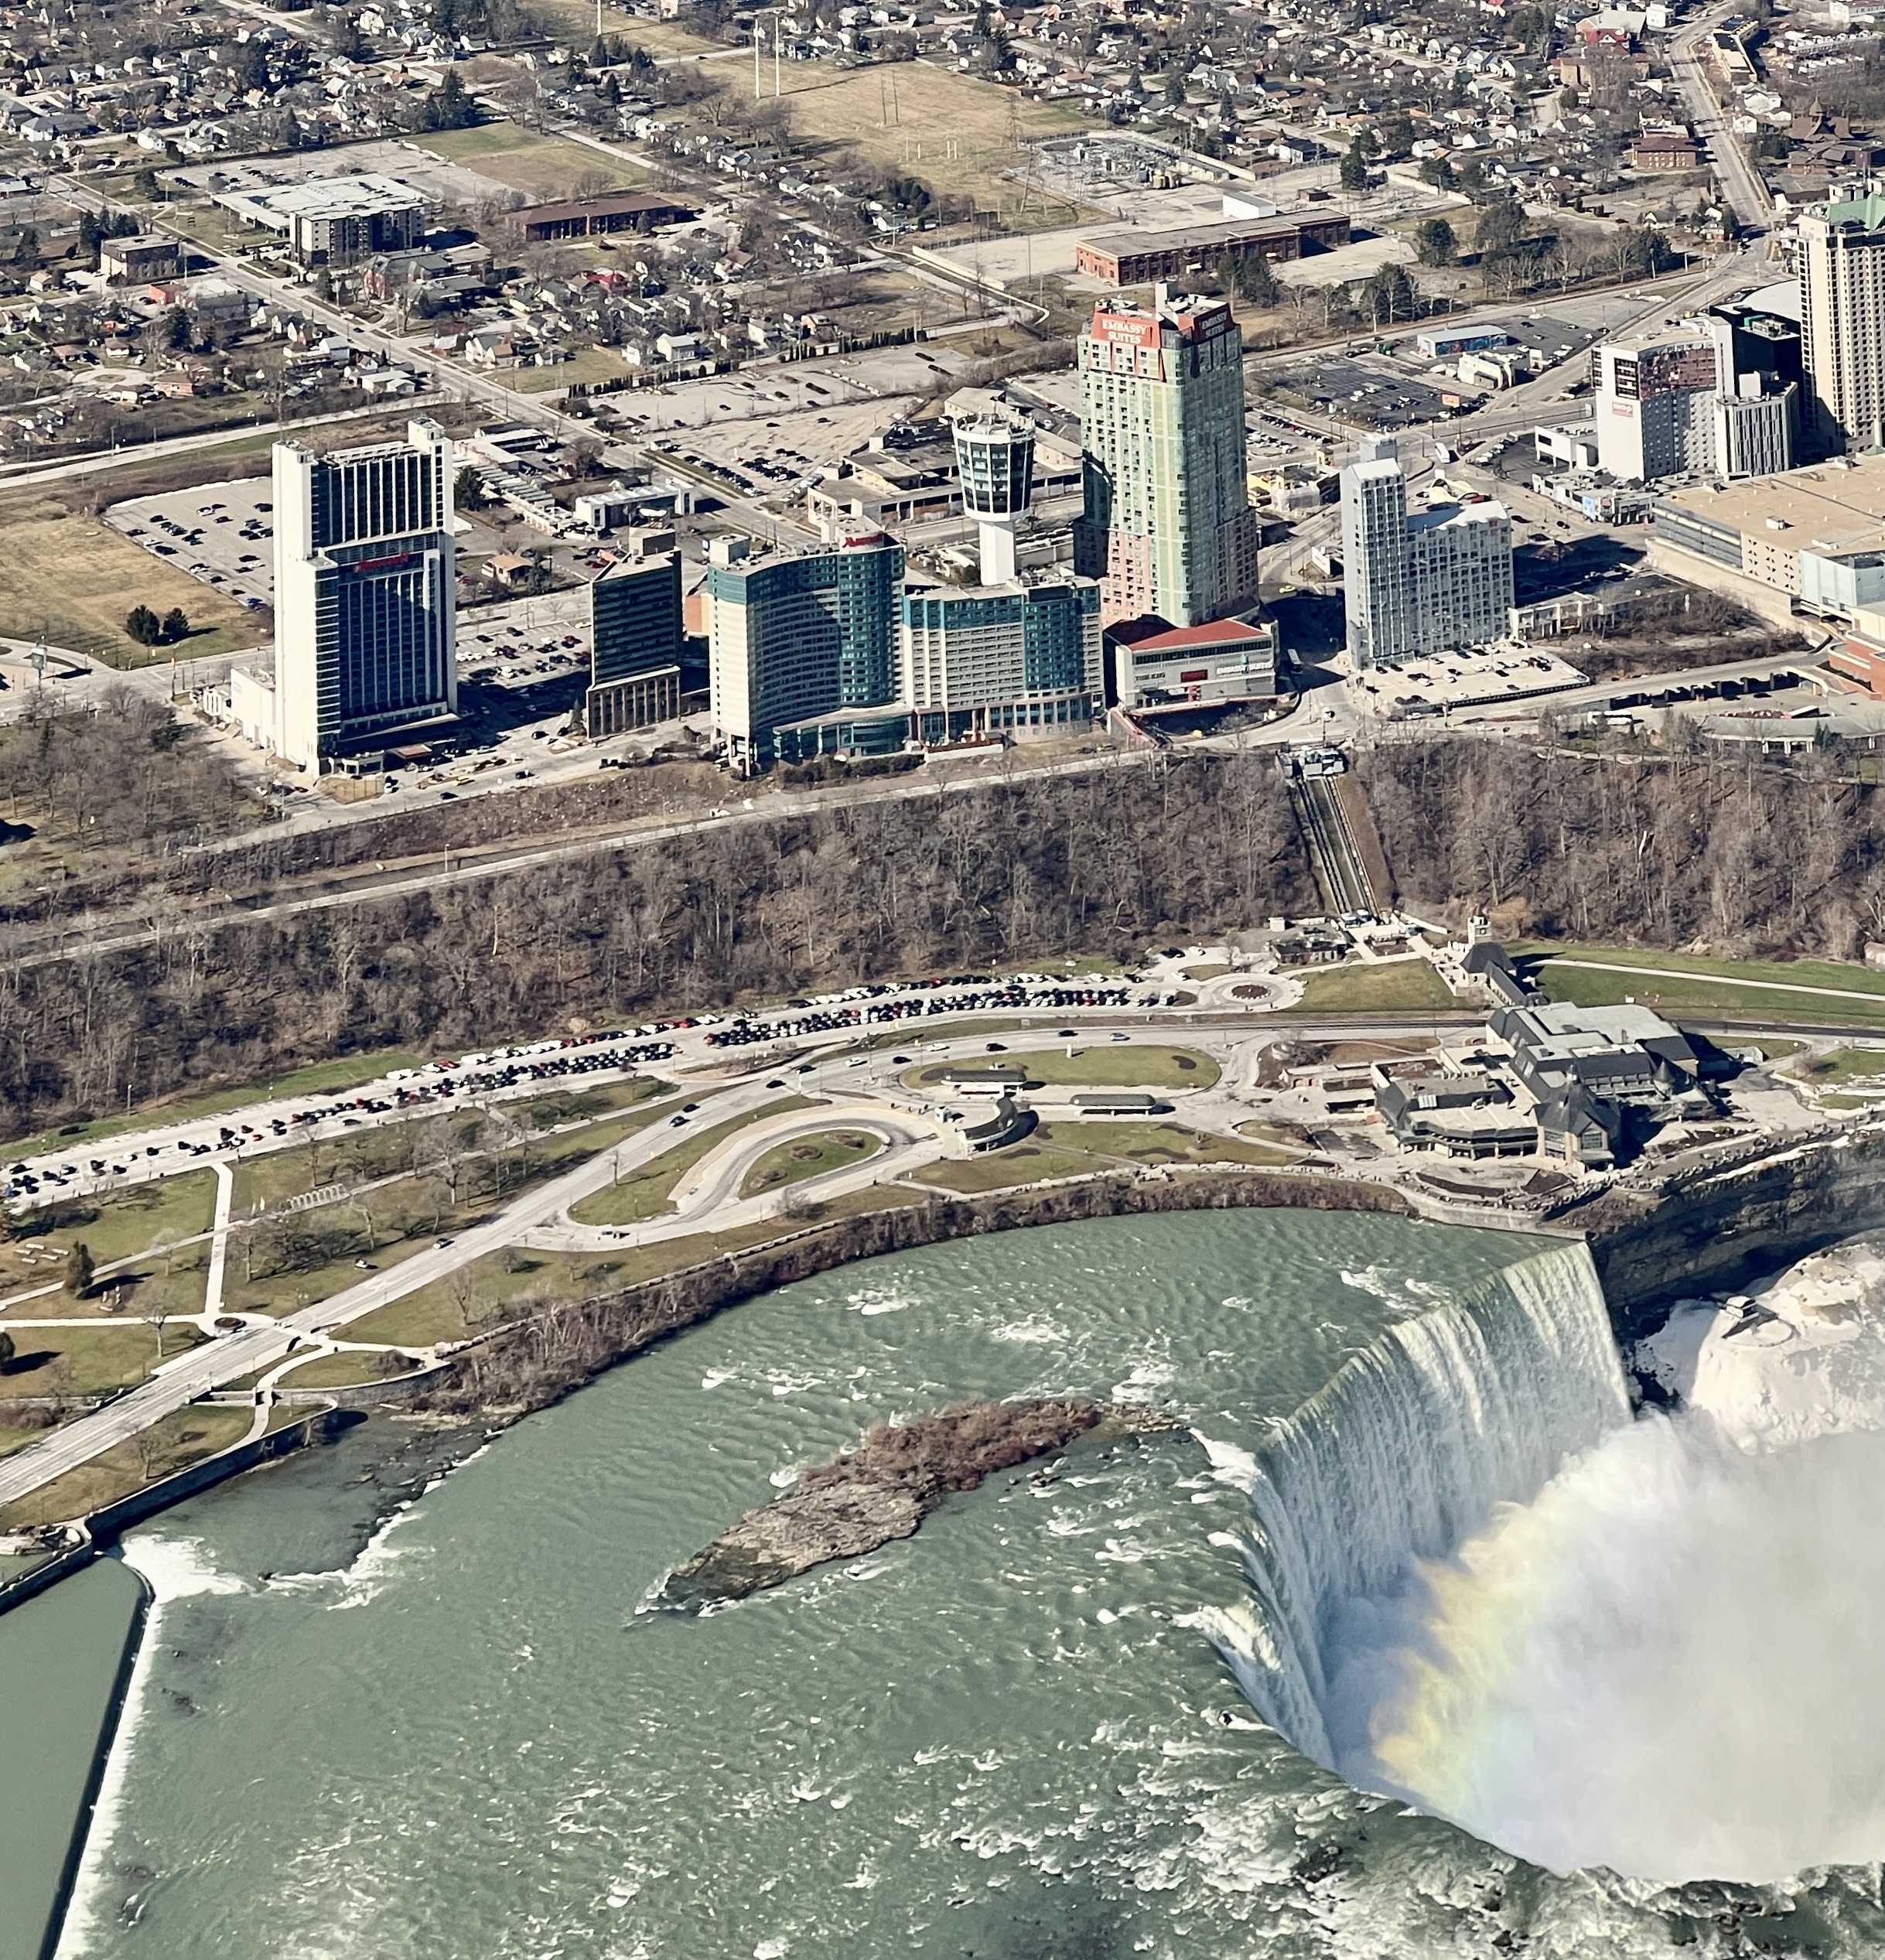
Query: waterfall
(1404,1454)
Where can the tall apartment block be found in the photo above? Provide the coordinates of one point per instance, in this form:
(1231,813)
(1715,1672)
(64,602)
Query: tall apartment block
(1167,530)
(1679,404)
(635,635)
(364,595)
(1415,585)
(1842,270)
(796,637)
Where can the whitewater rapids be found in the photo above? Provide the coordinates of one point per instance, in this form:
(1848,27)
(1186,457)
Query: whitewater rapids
(1647,1645)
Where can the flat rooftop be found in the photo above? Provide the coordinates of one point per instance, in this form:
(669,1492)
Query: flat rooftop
(323,197)
(1832,507)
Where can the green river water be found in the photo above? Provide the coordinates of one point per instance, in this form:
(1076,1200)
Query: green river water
(385,1713)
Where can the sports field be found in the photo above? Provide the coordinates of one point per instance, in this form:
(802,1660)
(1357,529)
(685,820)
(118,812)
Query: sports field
(957,134)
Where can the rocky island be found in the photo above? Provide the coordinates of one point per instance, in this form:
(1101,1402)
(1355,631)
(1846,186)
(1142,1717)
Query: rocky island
(884,1489)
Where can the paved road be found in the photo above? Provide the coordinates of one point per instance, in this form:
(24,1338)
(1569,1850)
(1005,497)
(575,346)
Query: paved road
(196,1373)
(1747,193)
(708,1198)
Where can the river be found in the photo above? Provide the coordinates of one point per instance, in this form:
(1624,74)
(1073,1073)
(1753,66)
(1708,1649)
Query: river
(385,1711)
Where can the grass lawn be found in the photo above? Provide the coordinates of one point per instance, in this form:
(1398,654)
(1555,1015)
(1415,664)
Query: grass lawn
(120,1227)
(72,580)
(809,1156)
(174,1444)
(1843,1066)
(345,1370)
(1789,973)
(1588,988)
(543,168)
(1020,1163)
(1396,984)
(1158,1143)
(946,127)
(591,364)
(644,1193)
(317,1078)
(102,1358)
(1118,1065)
(513,1283)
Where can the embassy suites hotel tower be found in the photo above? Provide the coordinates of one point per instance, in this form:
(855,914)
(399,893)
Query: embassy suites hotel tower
(1167,529)
(365,583)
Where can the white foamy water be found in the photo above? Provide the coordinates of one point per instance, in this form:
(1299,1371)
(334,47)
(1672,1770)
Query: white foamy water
(174,1568)
(1649,1646)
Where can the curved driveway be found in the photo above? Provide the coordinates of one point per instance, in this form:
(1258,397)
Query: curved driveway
(710,1190)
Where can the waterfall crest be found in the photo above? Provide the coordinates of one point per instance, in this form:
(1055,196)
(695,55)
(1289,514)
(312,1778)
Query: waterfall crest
(1404,1454)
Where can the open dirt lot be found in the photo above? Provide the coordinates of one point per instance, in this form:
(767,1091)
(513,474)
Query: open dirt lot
(541,167)
(70,579)
(952,131)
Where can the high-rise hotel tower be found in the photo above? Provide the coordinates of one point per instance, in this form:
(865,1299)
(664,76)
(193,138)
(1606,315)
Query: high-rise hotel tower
(364,595)
(1168,530)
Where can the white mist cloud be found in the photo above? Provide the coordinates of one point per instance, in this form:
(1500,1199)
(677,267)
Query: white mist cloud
(1671,1663)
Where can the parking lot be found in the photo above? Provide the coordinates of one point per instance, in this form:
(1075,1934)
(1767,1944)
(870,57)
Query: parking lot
(222,534)
(1440,683)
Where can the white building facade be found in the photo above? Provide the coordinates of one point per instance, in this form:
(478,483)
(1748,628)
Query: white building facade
(1415,585)
(365,597)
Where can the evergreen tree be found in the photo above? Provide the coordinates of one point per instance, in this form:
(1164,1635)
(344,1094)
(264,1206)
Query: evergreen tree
(143,626)
(79,1271)
(1355,168)
(176,624)
(1435,242)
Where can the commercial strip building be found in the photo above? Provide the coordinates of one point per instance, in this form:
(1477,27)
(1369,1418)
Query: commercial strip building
(1416,584)
(365,597)
(1167,528)
(1152,665)
(337,220)
(1133,259)
(635,635)
(592,217)
(146,256)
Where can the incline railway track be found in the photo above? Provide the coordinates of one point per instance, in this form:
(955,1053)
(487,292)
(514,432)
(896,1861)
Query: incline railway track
(1340,871)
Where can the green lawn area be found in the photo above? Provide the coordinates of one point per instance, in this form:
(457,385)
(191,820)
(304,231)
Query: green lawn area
(316,1078)
(1020,1163)
(345,1370)
(1586,988)
(100,1359)
(173,1444)
(644,1193)
(588,364)
(1856,1067)
(513,1283)
(1118,1065)
(1356,986)
(119,1227)
(1792,973)
(809,1156)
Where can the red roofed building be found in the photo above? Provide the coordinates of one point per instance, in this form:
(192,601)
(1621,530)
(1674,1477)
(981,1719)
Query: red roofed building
(1152,664)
